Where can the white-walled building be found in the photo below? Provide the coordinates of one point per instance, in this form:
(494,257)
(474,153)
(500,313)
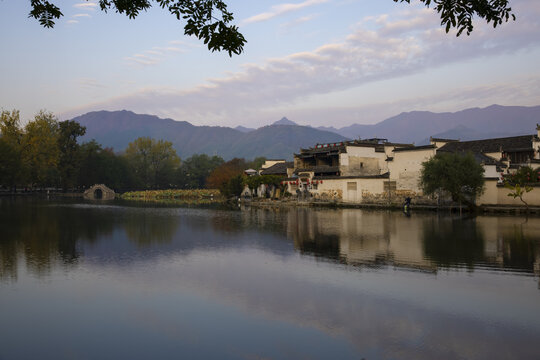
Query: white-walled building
(377,171)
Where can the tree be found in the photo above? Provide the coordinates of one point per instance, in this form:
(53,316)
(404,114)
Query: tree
(518,183)
(208,20)
(257,162)
(103,166)
(40,149)
(12,136)
(153,162)
(228,177)
(195,170)
(459,13)
(458,174)
(8,163)
(69,161)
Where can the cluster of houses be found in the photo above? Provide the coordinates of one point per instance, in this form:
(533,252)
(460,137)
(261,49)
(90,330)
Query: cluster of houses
(379,171)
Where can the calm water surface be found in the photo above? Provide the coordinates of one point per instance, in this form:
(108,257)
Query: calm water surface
(124,281)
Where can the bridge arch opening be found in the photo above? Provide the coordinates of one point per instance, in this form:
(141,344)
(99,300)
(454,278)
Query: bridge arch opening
(98,194)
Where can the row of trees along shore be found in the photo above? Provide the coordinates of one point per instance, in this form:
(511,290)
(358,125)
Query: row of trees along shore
(45,153)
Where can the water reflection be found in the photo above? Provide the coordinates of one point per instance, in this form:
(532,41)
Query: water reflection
(424,241)
(451,242)
(142,282)
(45,234)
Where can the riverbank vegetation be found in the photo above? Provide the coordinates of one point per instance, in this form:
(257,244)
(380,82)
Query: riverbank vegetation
(200,194)
(46,153)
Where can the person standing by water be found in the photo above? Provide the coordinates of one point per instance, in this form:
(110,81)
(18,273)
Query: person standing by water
(407,205)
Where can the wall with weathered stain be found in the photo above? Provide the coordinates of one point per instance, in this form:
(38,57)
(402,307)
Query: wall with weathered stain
(494,194)
(362,161)
(406,167)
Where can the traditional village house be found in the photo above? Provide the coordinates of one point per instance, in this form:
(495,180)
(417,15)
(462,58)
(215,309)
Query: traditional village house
(280,168)
(334,171)
(501,156)
(377,171)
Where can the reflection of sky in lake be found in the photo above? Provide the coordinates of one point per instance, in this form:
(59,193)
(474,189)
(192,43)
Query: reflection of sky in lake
(170,283)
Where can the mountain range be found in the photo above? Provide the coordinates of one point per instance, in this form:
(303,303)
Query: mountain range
(116,129)
(284,137)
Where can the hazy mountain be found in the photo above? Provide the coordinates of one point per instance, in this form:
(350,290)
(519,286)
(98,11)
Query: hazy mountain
(243,129)
(283,138)
(117,129)
(475,123)
(280,141)
(464,133)
(328,128)
(284,121)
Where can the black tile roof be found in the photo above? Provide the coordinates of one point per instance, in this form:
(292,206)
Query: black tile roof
(441,139)
(414,148)
(507,144)
(278,169)
(340,147)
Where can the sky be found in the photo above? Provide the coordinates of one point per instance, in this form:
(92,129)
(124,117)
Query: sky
(316,62)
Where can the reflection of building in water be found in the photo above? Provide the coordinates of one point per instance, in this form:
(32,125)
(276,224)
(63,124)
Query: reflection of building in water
(514,242)
(424,241)
(359,237)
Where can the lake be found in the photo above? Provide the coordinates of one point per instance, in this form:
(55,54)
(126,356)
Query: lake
(120,280)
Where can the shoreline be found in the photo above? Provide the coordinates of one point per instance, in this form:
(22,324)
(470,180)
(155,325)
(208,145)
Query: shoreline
(484,209)
(275,204)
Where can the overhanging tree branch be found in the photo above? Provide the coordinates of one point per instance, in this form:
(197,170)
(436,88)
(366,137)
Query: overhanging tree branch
(208,20)
(459,13)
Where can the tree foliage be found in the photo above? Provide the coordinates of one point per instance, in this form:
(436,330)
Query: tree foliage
(103,166)
(69,160)
(154,161)
(208,20)
(227,178)
(519,183)
(40,149)
(195,170)
(12,136)
(459,14)
(458,174)
(253,182)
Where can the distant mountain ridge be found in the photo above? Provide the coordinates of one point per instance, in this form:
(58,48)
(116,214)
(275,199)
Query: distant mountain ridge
(284,121)
(468,124)
(116,129)
(284,137)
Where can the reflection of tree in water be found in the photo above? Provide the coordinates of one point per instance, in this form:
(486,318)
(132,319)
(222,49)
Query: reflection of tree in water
(450,242)
(146,229)
(309,238)
(519,251)
(44,234)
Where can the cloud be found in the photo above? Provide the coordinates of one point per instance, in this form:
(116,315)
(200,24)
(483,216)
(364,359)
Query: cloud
(382,48)
(90,83)
(298,21)
(82,15)
(156,54)
(72,21)
(86,5)
(281,9)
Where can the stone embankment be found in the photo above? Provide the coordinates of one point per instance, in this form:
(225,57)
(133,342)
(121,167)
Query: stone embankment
(272,203)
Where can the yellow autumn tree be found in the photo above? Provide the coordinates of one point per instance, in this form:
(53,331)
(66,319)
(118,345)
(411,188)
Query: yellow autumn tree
(40,151)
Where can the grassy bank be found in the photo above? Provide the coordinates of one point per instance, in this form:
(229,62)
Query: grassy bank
(191,195)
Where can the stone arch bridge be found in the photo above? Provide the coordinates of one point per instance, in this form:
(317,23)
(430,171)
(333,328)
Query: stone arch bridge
(99,192)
